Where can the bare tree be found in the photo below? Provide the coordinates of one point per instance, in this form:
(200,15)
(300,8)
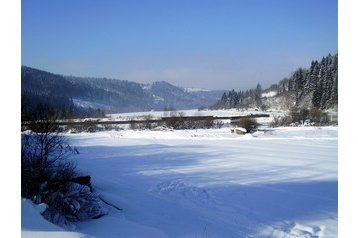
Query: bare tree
(47,176)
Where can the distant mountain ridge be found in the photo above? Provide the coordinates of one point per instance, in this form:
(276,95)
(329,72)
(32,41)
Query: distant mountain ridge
(70,95)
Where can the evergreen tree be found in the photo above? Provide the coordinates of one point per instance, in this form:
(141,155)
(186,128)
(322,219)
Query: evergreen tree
(320,81)
(259,88)
(314,76)
(334,95)
(317,94)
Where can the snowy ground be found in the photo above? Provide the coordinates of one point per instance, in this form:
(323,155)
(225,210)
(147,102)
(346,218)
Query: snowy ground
(209,183)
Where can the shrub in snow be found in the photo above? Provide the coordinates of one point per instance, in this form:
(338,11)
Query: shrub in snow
(264,107)
(318,116)
(197,124)
(281,121)
(302,117)
(299,115)
(179,122)
(48,177)
(175,121)
(249,124)
(314,116)
(145,122)
(72,203)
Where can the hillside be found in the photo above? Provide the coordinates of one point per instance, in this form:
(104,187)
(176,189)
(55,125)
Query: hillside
(69,96)
(316,86)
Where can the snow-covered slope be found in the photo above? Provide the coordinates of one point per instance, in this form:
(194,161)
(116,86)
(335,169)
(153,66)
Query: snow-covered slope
(269,94)
(190,90)
(90,104)
(212,183)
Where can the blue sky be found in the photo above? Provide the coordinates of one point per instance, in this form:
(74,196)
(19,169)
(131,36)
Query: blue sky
(208,44)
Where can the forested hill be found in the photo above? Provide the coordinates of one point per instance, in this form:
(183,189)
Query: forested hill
(316,86)
(68,96)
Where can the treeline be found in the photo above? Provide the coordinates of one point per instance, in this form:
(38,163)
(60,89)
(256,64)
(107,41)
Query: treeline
(48,95)
(37,107)
(320,80)
(240,99)
(319,83)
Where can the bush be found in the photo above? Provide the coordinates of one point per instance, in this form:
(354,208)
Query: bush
(175,122)
(48,177)
(281,121)
(248,123)
(264,107)
(71,204)
(144,122)
(302,116)
(180,123)
(299,115)
(318,116)
(218,124)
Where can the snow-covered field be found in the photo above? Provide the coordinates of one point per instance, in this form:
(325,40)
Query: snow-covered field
(207,183)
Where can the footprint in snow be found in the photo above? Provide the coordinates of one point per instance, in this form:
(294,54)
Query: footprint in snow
(180,190)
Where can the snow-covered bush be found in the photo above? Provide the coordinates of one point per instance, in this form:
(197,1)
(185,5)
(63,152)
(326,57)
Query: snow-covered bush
(47,176)
(72,203)
(302,117)
(281,121)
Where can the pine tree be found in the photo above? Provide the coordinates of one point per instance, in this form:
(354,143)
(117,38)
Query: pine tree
(317,94)
(259,88)
(334,95)
(314,76)
(327,88)
(224,98)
